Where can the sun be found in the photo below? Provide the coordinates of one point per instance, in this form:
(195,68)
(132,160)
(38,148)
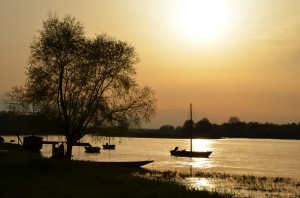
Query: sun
(203,20)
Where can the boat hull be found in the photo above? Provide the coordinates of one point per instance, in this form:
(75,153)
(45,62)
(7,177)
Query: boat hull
(127,164)
(91,149)
(203,154)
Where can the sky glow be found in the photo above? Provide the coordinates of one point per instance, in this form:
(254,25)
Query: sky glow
(228,58)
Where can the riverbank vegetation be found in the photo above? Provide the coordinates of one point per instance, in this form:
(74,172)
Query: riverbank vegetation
(12,124)
(28,174)
(234,128)
(237,185)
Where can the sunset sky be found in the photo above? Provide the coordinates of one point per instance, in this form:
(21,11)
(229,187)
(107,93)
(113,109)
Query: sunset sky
(227,57)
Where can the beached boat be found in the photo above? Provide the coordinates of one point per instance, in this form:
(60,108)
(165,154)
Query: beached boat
(191,153)
(127,164)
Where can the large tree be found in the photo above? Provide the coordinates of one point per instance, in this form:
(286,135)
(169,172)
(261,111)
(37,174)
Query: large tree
(84,82)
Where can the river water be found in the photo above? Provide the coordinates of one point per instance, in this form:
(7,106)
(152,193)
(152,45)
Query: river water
(259,157)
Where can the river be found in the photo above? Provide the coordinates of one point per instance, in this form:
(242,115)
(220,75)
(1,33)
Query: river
(259,157)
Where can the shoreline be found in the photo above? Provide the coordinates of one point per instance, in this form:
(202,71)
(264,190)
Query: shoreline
(219,162)
(33,168)
(28,174)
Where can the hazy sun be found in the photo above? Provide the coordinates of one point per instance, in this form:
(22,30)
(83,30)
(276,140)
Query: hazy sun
(203,20)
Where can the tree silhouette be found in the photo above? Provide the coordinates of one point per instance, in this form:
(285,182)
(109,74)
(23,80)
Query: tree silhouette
(167,127)
(84,82)
(203,124)
(203,127)
(234,120)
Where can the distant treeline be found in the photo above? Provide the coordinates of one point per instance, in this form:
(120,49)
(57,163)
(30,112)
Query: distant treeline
(234,128)
(11,124)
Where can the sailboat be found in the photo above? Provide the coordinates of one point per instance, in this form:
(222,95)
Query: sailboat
(191,153)
(109,146)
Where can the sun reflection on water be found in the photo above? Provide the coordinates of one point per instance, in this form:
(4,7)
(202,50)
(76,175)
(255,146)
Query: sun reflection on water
(202,145)
(201,163)
(199,183)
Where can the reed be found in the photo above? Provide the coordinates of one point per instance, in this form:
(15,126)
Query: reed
(235,185)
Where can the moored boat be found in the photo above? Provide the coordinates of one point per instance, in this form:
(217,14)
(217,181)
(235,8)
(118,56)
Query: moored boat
(184,153)
(92,149)
(191,153)
(108,146)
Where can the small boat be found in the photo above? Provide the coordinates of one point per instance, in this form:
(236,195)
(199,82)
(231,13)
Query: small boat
(92,149)
(126,164)
(109,146)
(191,153)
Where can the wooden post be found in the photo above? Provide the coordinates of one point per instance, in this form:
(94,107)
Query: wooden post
(191,115)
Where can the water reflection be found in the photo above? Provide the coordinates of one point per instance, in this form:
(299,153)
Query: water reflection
(202,145)
(201,163)
(199,183)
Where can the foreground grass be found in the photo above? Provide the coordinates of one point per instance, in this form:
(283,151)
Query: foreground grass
(239,185)
(27,174)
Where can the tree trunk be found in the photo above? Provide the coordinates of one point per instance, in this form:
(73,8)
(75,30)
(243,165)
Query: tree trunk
(69,151)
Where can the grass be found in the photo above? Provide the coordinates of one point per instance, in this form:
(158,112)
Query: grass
(28,174)
(237,185)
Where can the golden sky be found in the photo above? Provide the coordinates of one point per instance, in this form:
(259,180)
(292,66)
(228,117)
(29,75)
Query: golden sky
(227,57)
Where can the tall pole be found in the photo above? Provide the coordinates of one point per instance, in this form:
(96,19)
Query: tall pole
(191,115)
(33,116)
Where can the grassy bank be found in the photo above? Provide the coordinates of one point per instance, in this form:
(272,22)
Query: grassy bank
(239,185)
(27,174)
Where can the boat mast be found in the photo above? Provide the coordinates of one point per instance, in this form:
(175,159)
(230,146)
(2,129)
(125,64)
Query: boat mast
(191,115)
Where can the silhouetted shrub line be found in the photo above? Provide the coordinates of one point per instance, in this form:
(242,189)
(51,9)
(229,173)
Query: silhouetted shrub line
(11,124)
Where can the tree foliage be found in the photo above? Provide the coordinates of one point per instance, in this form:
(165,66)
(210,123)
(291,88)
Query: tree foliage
(188,125)
(234,120)
(167,127)
(84,82)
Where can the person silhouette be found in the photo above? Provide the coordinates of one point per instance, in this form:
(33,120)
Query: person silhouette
(61,149)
